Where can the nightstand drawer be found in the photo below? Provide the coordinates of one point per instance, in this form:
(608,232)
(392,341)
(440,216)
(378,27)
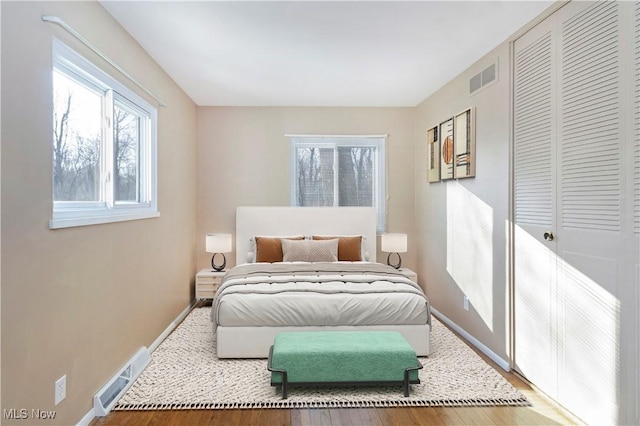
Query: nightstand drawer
(208,281)
(207,291)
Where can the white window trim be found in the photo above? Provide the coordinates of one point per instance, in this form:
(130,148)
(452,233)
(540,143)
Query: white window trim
(71,214)
(381,166)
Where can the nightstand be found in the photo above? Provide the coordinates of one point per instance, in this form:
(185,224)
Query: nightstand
(207,283)
(409,274)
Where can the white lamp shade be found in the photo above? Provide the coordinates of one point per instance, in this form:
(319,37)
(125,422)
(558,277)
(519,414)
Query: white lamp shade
(394,243)
(218,243)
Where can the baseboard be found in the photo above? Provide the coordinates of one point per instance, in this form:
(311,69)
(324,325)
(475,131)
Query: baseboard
(475,342)
(87,418)
(171,326)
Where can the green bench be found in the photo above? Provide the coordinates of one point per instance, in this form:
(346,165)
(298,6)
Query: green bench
(349,358)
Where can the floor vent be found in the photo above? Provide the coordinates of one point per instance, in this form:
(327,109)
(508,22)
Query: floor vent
(107,397)
(483,78)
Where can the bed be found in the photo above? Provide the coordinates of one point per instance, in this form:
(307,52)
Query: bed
(263,296)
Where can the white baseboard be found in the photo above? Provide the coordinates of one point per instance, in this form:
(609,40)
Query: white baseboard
(86,420)
(171,326)
(475,342)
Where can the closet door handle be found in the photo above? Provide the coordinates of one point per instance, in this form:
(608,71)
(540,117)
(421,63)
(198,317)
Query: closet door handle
(549,236)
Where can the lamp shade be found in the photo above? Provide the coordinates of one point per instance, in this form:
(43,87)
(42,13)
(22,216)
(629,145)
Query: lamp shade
(394,243)
(218,243)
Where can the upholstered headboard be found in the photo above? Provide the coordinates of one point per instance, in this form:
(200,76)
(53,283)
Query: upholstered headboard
(281,221)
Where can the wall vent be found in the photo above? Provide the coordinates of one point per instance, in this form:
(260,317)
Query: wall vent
(483,78)
(107,397)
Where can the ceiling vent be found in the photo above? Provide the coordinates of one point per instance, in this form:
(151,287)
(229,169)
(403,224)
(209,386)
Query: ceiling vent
(483,78)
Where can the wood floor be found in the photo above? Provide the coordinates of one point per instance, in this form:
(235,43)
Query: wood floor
(542,412)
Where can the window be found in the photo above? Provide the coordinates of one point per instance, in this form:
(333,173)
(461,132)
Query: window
(104,146)
(339,171)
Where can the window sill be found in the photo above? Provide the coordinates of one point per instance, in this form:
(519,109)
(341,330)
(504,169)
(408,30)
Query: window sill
(71,222)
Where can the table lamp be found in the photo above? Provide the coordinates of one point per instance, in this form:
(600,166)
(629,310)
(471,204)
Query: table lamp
(394,243)
(218,244)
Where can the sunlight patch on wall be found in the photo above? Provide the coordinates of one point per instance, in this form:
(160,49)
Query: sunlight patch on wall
(470,248)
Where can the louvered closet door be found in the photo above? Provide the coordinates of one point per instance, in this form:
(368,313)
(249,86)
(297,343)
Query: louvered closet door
(572,151)
(634,246)
(534,193)
(636,131)
(591,240)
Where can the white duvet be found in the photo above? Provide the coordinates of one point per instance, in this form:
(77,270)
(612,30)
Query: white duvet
(318,294)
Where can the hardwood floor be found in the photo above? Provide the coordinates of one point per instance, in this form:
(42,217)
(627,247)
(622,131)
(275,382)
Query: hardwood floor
(542,412)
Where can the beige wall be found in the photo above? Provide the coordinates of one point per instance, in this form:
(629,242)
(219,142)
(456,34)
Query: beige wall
(80,301)
(243,159)
(461,225)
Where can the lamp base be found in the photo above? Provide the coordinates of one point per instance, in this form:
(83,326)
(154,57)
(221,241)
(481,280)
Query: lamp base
(394,265)
(215,267)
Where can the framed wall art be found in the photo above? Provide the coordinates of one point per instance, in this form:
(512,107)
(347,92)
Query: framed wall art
(446,150)
(465,145)
(433,155)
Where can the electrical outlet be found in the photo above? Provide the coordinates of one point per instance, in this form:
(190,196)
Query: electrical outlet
(465,303)
(60,389)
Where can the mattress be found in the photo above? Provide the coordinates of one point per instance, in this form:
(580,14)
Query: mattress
(318,294)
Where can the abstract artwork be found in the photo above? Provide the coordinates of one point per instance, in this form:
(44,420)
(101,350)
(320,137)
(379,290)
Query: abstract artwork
(433,155)
(464,146)
(446,150)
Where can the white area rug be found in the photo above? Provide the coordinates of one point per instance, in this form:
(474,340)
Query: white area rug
(186,374)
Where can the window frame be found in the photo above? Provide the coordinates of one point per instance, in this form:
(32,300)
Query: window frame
(334,142)
(106,210)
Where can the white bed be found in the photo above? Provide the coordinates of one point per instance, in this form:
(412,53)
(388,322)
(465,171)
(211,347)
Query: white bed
(240,338)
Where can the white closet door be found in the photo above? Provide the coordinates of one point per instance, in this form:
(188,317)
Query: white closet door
(574,151)
(534,192)
(634,246)
(590,206)
(637,124)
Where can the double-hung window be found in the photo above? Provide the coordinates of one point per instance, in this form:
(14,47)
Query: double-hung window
(339,171)
(104,146)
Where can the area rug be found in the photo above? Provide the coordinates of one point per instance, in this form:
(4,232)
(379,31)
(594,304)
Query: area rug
(184,373)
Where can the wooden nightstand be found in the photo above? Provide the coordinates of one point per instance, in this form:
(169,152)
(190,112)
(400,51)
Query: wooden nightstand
(409,274)
(207,282)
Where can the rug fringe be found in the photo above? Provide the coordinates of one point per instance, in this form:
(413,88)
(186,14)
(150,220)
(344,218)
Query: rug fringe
(290,404)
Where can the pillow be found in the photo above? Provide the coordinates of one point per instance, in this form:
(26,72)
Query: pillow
(310,251)
(269,249)
(349,248)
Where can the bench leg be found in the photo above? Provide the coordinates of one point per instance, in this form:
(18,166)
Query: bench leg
(406,383)
(284,390)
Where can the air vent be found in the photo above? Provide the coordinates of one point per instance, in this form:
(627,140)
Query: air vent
(475,83)
(107,397)
(483,78)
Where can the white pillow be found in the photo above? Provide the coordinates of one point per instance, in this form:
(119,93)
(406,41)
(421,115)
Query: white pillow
(348,256)
(309,250)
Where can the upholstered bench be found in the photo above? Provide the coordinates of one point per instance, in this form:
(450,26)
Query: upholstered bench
(349,358)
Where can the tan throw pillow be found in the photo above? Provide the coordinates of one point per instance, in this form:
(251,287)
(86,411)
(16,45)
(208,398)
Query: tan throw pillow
(310,251)
(269,249)
(349,248)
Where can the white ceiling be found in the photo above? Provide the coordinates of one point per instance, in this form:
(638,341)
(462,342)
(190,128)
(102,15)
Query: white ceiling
(305,53)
